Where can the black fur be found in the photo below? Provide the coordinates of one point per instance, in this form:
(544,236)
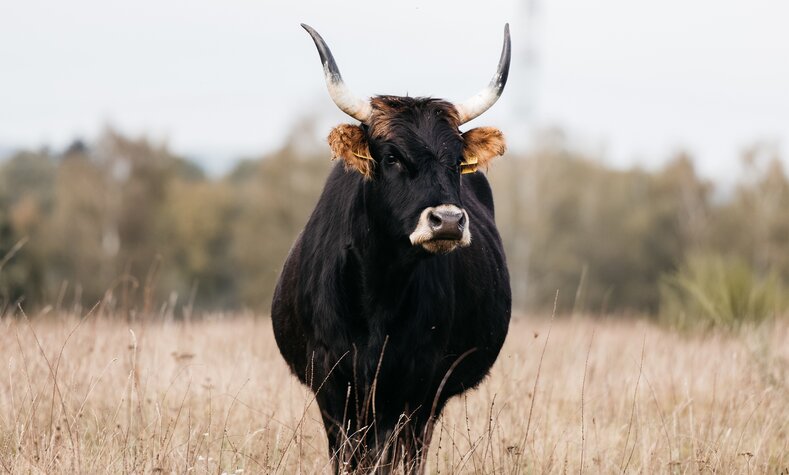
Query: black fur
(356,299)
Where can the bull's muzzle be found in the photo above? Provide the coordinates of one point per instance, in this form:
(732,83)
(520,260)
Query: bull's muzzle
(442,229)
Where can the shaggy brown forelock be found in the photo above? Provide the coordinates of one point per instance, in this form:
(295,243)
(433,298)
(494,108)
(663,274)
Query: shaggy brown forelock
(389,110)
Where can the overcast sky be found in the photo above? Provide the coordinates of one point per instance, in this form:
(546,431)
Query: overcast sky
(632,81)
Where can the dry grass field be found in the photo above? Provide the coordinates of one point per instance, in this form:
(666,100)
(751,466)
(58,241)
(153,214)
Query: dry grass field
(104,396)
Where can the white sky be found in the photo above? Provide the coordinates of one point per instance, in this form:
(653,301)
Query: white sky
(633,81)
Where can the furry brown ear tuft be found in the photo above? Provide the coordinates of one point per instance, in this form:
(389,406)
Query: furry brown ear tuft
(349,143)
(481,145)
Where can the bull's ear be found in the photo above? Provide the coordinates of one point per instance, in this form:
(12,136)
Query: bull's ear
(349,143)
(480,146)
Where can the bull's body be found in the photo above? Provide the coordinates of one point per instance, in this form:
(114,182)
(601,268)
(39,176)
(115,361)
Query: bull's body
(346,292)
(396,295)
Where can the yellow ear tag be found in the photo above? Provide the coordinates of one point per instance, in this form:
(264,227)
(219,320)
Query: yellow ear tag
(366,157)
(469,164)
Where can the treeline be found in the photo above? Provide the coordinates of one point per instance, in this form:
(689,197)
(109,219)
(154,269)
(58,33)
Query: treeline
(633,241)
(127,223)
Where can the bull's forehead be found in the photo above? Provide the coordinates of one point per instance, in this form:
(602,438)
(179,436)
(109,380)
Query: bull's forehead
(415,122)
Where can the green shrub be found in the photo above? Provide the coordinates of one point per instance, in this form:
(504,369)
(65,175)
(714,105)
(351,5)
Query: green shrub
(713,291)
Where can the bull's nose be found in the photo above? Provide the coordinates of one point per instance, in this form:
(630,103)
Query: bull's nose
(447,223)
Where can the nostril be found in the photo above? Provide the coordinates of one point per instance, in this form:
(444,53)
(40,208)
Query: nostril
(462,220)
(434,220)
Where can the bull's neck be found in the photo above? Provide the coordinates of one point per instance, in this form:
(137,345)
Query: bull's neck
(388,262)
(384,262)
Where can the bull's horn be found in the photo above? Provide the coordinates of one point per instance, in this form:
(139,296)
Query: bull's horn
(478,104)
(355,107)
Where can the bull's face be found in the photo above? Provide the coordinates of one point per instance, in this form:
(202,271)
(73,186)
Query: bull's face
(414,154)
(412,151)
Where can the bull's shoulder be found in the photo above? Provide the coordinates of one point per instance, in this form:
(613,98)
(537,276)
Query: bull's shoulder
(334,213)
(476,186)
(288,278)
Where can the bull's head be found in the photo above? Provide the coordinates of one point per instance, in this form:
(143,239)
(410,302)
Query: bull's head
(412,151)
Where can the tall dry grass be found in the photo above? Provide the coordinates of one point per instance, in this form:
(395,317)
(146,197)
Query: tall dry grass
(214,396)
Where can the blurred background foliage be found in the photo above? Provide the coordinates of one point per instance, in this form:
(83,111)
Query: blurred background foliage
(125,222)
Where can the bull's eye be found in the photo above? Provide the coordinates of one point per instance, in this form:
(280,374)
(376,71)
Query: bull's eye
(390,159)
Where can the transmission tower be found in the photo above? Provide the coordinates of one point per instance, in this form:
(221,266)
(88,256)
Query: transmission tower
(525,73)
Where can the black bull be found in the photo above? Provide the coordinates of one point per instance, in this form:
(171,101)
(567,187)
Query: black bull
(396,295)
